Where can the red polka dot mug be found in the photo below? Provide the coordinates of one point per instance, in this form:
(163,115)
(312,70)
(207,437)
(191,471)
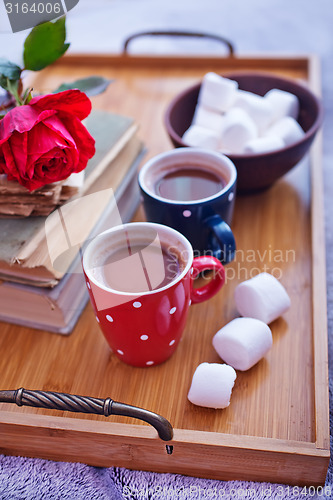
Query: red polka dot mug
(140,278)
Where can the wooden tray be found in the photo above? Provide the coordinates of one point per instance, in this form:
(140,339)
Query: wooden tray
(276,428)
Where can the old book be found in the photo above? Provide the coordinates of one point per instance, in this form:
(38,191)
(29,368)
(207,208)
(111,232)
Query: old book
(57,309)
(24,250)
(16,201)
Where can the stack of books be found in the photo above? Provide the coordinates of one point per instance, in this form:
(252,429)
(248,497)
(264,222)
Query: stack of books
(41,279)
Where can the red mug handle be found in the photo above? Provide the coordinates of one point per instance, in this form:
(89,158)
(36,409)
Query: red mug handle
(205,292)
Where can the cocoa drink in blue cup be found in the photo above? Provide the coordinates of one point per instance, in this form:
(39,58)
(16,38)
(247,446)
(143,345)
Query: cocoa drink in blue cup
(193,191)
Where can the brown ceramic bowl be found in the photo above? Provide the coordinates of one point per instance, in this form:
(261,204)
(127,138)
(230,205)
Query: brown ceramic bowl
(255,171)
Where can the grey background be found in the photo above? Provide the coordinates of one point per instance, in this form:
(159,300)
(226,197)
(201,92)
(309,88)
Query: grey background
(70,4)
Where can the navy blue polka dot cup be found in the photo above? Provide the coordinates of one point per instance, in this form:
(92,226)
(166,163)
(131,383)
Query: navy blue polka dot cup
(193,191)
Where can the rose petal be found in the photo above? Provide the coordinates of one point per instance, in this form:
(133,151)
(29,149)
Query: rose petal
(45,141)
(9,163)
(46,166)
(73,102)
(43,173)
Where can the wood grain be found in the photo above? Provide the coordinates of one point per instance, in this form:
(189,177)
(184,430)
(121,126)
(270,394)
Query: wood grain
(276,427)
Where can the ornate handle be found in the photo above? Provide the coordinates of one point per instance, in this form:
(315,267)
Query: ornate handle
(86,404)
(179,33)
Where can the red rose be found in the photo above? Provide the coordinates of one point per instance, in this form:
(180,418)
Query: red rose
(44,141)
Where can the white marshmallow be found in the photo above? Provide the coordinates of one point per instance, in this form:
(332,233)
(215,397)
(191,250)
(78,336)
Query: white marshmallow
(243,342)
(288,129)
(217,92)
(283,104)
(258,108)
(238,128)
(262,297)
(201,137)
(263,145)
(212,384)
(208,118)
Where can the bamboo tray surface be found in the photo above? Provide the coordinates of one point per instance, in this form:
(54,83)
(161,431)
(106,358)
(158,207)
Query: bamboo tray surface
(276,427)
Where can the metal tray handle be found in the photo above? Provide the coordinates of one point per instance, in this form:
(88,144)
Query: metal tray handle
(86,404)
(218,38)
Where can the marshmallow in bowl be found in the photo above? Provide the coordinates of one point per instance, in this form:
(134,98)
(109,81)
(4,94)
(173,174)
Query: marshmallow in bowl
(205,117)
(283,104)
(217,92)
(262,297)
(243,342)
(263,145)
(202,137)
(212,385)
(258,108)
(288,129)
(238,128)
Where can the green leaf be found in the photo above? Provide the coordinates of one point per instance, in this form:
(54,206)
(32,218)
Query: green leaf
(91,86)
(45,44)
(7,84)
(9,70)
